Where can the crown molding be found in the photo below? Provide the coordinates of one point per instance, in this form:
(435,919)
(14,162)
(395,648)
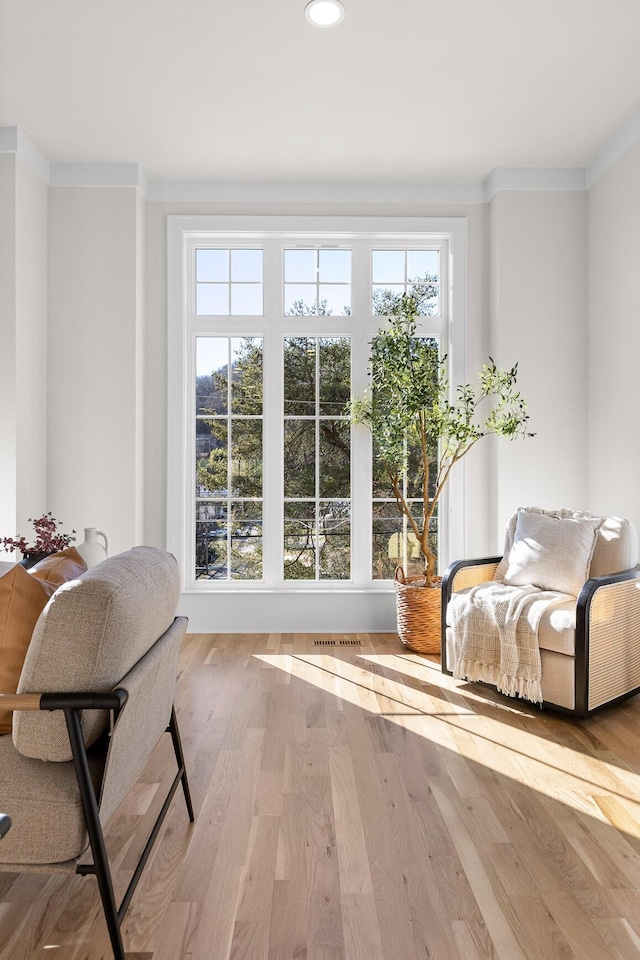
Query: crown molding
(626,137)
(14,140)
(534,178)
(219,191)
(96,175)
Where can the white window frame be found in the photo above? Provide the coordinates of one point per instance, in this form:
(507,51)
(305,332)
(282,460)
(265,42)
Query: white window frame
(184,234)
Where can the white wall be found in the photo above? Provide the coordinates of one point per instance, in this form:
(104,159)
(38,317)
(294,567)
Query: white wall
(8,452)
(31,344)
(539,319)
(614,340)
(23,345)
(94,417)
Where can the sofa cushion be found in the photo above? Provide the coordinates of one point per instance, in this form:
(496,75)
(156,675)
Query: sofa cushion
(60,567)
(43,802)
(91,634)
(552,553)
(22,599)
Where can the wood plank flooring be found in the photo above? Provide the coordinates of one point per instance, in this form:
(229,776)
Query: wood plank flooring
(354,804)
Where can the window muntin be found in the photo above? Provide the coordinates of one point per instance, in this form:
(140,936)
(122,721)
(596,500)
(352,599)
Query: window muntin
(395,272)
(317,282)
(229,282)
(228,458)
(317,458)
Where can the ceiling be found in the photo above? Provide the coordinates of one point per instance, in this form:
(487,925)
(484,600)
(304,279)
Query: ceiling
(416,91)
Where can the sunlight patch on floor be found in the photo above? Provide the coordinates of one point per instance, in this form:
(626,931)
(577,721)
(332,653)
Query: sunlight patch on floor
(555,770)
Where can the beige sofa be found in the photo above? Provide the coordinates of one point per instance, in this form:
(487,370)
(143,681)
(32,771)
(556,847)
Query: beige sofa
(94,698)
(590,646)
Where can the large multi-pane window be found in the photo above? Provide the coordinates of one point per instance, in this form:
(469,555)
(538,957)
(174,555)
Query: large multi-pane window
(280,488)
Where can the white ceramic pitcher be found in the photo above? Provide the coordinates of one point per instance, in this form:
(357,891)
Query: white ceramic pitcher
(92,551)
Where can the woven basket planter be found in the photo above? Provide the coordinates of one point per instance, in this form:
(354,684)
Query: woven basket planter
(419,609)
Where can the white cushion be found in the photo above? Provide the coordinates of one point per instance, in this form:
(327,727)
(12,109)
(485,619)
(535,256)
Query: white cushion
(616,546)
(552,553)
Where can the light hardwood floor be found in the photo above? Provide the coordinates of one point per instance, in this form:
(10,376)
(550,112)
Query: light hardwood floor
(354,804)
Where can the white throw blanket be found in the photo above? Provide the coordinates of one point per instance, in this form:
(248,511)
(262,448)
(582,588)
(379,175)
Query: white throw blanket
(495,636)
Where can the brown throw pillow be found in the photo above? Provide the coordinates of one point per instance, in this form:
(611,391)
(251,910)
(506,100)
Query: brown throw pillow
(59,567)
(22,599)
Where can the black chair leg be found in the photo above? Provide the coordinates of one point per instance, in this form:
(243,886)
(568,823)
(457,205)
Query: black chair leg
(100,866)
(177,747)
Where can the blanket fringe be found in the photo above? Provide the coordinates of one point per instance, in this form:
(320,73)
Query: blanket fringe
(472,670)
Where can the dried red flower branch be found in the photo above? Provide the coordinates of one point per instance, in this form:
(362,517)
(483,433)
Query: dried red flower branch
(48,539)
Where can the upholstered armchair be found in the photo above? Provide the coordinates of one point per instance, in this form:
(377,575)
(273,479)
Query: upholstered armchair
(94,697)
(589,635)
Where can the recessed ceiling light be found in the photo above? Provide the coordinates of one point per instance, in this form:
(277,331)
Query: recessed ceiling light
(324,13)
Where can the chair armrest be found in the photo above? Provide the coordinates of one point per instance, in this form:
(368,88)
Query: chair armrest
(458,576)
(112,700)
(20,701)
(468,573)
(607,639)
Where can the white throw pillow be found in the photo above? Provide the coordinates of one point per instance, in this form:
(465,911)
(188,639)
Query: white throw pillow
(552,553)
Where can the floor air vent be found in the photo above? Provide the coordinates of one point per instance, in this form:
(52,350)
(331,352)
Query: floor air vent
(333,643)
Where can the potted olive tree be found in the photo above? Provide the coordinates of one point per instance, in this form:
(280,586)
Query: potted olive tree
(418,426)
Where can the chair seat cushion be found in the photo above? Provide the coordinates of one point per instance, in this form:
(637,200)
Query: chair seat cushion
(557,627)
(43,802)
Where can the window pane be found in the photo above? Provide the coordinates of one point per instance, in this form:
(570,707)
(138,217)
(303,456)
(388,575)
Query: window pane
(334,299)
(388,266)
(212,357)
(335,375)
(335,458)
(423,263)
(300,376)
(334,541)
(300,458)
(212,265)
(334,266)
(246,378)
(382,486)
(427,296)
(212,299)
(385,299)
(246,299)
(211,468)
(211,540)
(300,266)
(246,265)
(205,441)
(246,541)
(299,541)
(300,300)
(246,458)
(386,534)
